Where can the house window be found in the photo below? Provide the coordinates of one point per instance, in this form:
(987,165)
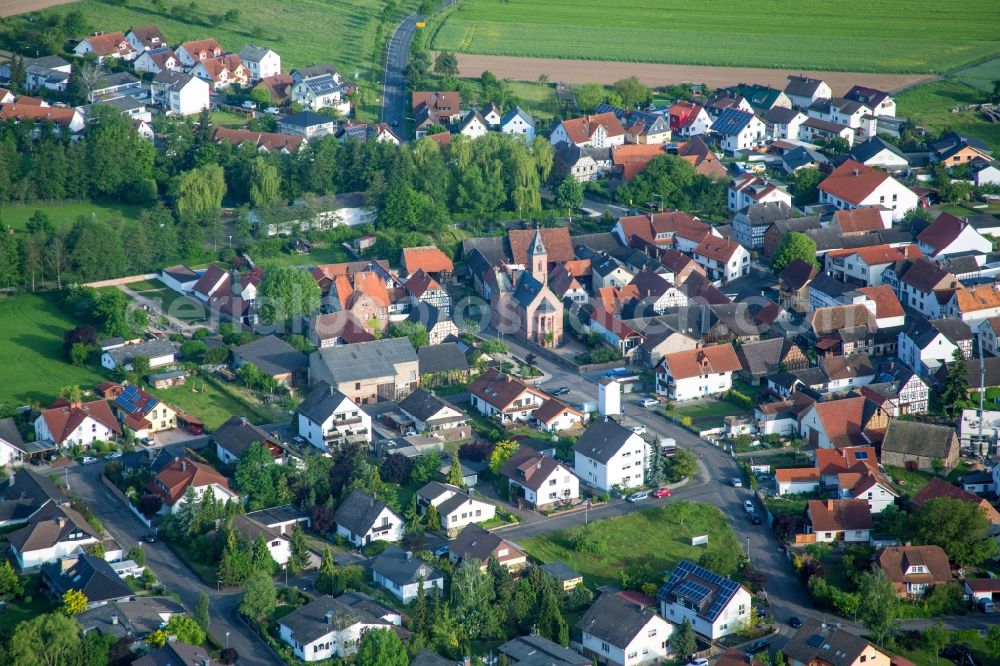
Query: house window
(652,632)
(605,647)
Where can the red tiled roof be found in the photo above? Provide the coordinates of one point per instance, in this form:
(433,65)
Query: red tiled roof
(202,48)
(859,220)
(437,102)
(62,421)
(173,480)
(983,584)
(714,359)
(886,302)
(557,242)
(796,475)
(428,258)
(896,561)
(834,461)
(498,389)
(843,420)
(581,130)
(719,249)
(109,43)
(551,409)
(840,515)
(976,298)
(529,468)
(270,141)
(942,231)
(22,112)
(938,488)
(853,181)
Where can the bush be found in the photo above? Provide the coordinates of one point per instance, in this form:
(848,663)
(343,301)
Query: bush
(741,399)
(586,541)
(216,356)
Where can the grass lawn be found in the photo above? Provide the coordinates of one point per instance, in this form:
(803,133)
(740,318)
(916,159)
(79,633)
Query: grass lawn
(63,215)
(913,647)
(177,305)
(31,338)
(981,76)
(329,254)
(146,285)
(658,537)
(206,401)
(229,119)
(929,106)
(714,409)
(928,37)
(787,506)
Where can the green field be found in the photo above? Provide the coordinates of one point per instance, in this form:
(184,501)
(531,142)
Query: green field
(658,537)
(213,405)
(31,337)
(929,106)
(63,215)
(856,35)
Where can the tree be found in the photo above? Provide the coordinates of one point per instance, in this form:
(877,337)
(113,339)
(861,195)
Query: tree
(804,186)
(569,194)
(723,561)
(52,639)
(259,596)
(287,292)
(879,604)
(202,614)
(426,467)
(254,476)
(381,647)
(936,638)
(633,93)
(794,245)
(299,557)
(549,621)
(326,577)
(502,452)
(683,642)
(198,194)
(455,476)
(955,393)
(74,601)
(589,95)
(261,559)
(446,63)
(265,182)
(682,465)
(95,649)
(472,596)
(71,394)
(11,586)
(79,353)
(654,473)
(993,642)
(958,527)
(432,519)
(111,310)
(396,468)
(186,629)
(415,331)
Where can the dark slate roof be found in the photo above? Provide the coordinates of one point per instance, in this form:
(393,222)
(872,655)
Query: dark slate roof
(709,592)
(780,115)
(527,289)
(602,440)
(90,575)
(402,568)
(923,331)
(25,484)
(802,156)
(135,618)
(761,358)
(422,404)
(309,622)
(427,658)
(477,543)
(493,248)
(306,119)
(919,439)
(798,274)
(149,349)
(560,571)
(766,214)
(830,286)
(801,224)
(445,357)
(864,151)
(358,511)
(272,355)
(277,514)
(321,402)
(615,620)
(365,360)
(539,651)
(834,646)
(237,434)
(604,241)
(175,654)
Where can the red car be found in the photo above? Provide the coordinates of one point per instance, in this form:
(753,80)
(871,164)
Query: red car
(661,492)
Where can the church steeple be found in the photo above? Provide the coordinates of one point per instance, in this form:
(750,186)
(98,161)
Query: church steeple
(538,257)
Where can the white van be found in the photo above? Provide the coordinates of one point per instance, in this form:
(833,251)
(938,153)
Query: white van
(650,402)
(986,605)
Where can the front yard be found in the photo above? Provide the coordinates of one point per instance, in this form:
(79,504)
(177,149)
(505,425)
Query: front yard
(655,540)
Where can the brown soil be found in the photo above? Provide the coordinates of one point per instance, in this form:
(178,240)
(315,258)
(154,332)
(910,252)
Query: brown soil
(598,71)
(13,7)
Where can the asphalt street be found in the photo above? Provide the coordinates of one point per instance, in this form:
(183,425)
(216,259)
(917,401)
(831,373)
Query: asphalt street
(394,78)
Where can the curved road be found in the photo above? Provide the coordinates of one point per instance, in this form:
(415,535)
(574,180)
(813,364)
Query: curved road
(394,80)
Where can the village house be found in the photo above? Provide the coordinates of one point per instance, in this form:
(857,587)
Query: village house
(307,124)
(518,122)
(783,123)
(434,108)
(922,285)
(171,484)
(368,372)
(695,373)
(688,119)
(898,391)
(456,507)
(865,266)
(271,355)
(332,627)
(877,152)
(432,414)
(65,122)
(90,575)
(814,644)
(538,480)
(402,574)
(793,286)
(507,398)
(594,131)
(156,60)
(974,305)
(939,488)
(927,344)
(278,545)
(747,189)
(264,142)
(881,103)
(145,38)
(475,544)
(321,91)
(195,51)
(739,130)
(609,455)
(623,628)
(842,423)
(854,185)
(796,480)
(914,570)
(723,259)
(532,649)
(836,520)
(715,605)
(867,484)
(328,418)
(106,45)
(802,91)
(751,223)
(361,519)
(921,446)
(261,62)
(53,533)
(142,413)
(950,235)
(179,93)
(77,423)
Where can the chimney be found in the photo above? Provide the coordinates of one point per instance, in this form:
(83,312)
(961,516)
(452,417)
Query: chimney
(409,555)
(66,563)
(59,520)
(329,617)
(466,660)
(856,172)
(469,491)
(184,465)
(114,619)
(829,505)
(243,420)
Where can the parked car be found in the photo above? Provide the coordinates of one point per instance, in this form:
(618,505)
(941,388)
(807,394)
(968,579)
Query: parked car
(661,492)
(737,482)
(441,551)
(273,110)
(639,429)
(35,462)
(249,105)
(115,455)
(149,538)
(559,390)
(794,622)
(88,460)
(748,505)
(650,402)
(700,661)
(754,519)
(758,646)
(637,497)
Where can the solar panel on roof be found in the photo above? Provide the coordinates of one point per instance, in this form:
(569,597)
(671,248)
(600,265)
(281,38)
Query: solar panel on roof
(693,591)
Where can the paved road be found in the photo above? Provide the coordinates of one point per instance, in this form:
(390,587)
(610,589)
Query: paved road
(394,78)
(85,482)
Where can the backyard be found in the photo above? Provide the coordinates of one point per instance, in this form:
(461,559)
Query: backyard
(31,339)
(63,215)
(928,37)
(213,404)
(659,538)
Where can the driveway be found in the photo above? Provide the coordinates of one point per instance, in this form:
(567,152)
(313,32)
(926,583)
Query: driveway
(85,482)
